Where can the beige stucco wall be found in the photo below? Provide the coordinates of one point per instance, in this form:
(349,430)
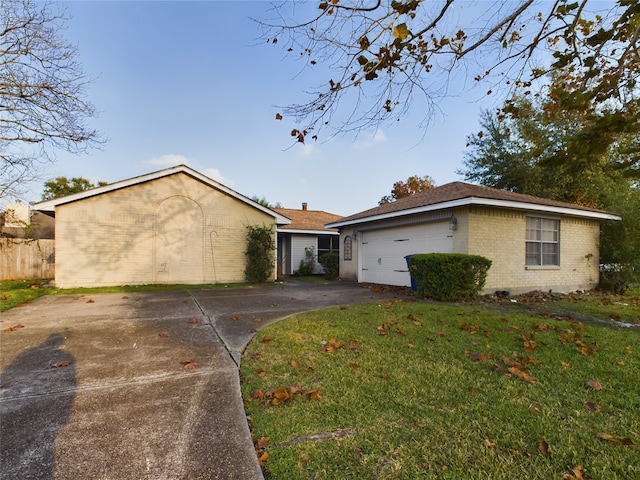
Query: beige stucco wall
(499,235)
(170,230)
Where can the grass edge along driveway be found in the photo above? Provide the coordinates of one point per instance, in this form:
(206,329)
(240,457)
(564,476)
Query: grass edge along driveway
(430,390)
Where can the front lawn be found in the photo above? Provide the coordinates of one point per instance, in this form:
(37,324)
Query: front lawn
(15,293)
(430,390)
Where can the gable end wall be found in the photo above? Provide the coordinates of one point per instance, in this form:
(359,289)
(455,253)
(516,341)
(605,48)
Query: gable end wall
(170,230)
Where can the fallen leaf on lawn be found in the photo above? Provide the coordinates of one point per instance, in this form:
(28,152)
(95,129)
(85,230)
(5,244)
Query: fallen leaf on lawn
(354,365)
(594,385)
(332,346)
(565,364)
(411,345)
(477,356)
(385,376)
(266,339)
(353,345)
(262,443)
(529,344)
(294,363)
(259,393)
(313,394)
(522,375)
(163,335)
(295,389)
(263,458)
(593,406)
(586,351)
(60,364)
(281,395)
(577,474)
(401,331)
(627,350)
(611,438)
(260,372)
(488,443)
(544,448)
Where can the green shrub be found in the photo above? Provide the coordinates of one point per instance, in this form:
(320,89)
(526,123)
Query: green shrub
(449,277)
(331,264)
(308,264)
(259,253)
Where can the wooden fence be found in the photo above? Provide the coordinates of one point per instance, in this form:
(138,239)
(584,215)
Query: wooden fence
(26,259)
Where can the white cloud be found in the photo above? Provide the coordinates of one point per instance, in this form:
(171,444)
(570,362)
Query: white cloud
(307,150)
(215,174)
(370,138)
(378,136)
(169,160)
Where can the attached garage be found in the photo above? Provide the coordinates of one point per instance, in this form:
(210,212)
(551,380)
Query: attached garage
(384,250)
(533,243)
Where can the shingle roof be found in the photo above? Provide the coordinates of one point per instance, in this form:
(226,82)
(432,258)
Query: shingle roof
(452,192)
(307,219)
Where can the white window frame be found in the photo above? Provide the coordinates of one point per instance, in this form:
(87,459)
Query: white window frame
(542,241)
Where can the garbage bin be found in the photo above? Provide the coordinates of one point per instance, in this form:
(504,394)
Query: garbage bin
(414,285)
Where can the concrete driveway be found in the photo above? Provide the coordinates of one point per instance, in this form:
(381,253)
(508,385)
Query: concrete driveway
(139,385)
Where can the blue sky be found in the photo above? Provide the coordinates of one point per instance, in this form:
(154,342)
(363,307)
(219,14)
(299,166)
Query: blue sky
(190,82)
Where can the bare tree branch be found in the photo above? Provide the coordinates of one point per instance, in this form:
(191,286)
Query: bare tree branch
(42,88)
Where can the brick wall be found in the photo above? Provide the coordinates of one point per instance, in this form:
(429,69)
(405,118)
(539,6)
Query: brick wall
(170,230)
(500,235)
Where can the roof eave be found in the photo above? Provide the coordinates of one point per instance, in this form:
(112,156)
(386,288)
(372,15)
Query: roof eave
(50,205)
(480,201)
(308,232)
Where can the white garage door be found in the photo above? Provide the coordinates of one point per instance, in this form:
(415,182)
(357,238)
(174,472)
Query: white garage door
(383,251)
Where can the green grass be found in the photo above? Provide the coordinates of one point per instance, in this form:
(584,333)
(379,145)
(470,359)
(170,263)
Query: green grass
(18,292)
(423,390)
(604,306)
(14,293)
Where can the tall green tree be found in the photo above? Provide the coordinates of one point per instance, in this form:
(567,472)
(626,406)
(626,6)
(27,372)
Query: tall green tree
(414,184)
(380,56)
(62,186)
(511,152)
(265,203)
(43,106)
